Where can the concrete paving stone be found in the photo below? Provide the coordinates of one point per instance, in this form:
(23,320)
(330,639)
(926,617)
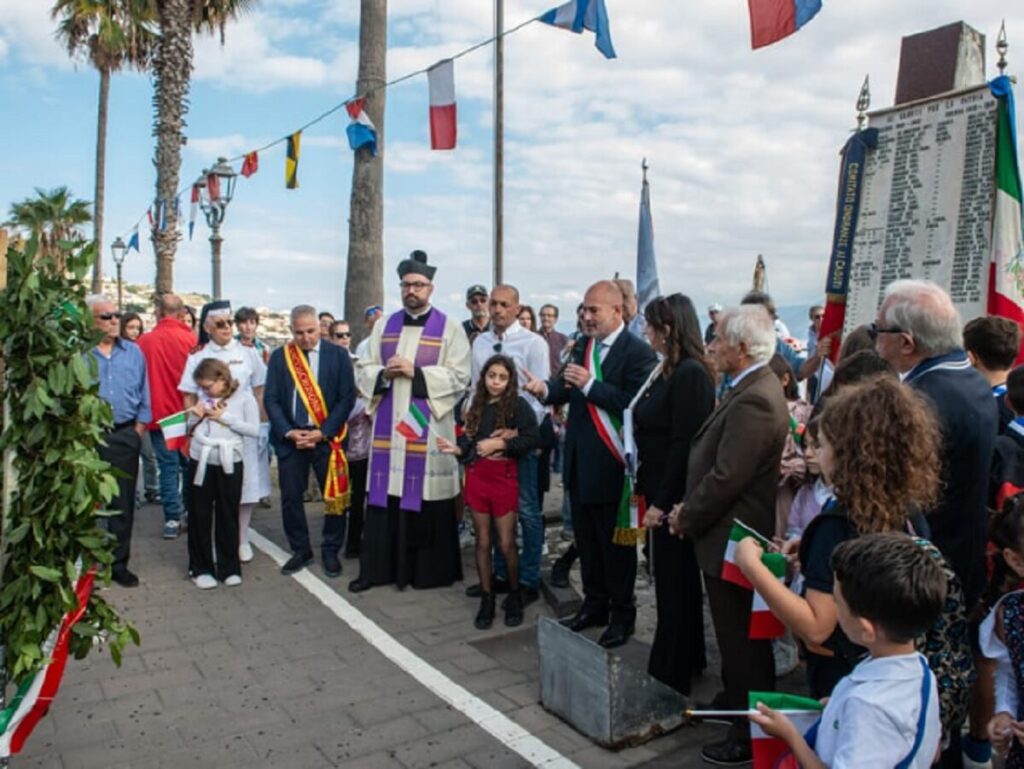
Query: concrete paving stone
(498,758)
(444,746)
(345,744)
(166,659)
(523,694)
(199,633)
(121,751)
(288,731)
(179,698)
(49,742)
(392,705)
(115,686)
(499,702)
(283,681)
(492,680)
(562,739)
(38,762)
(127,707)
(534,718)
(153,639)
(380,760)
(457,763)
(131,664)
(438,635)
(596,757)
(474,661)
(441,718)
(80,694)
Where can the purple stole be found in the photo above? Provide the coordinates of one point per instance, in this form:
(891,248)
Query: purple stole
(427,354)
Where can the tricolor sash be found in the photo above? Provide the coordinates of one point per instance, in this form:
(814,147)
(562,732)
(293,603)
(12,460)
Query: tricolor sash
(629,521)
(337,492)
(412,428)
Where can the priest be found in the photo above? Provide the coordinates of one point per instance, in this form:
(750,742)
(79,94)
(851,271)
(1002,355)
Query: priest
(416,370)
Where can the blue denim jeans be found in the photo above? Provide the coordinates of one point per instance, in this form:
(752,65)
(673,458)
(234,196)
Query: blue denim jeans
(532,523)
(173,469)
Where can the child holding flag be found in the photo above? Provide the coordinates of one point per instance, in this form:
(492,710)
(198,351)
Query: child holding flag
(500,426)
(888,591)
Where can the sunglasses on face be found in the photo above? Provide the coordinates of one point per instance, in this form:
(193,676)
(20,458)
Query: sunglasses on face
(342,335)
(109,316)
(222,324)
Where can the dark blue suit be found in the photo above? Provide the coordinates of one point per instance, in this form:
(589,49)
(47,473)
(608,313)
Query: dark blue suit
(334,375)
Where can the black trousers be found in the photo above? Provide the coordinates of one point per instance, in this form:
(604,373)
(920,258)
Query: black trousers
(608,570)
(293,470)
(357,470)
(746,665)
(213,521)
(121,449)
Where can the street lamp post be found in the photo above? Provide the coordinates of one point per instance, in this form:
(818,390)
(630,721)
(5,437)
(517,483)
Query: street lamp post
(119,250)
(216,188)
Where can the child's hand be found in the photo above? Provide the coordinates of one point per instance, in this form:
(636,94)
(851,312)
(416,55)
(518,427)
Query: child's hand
(445,446)
(199,410)
(217,411)
(1001,732)
(775,723)
(748,555)
(490,446)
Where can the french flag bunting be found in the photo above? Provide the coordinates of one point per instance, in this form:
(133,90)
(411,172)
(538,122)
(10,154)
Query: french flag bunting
(579,15)
(443,117)
(772,20)
(212,187)
(361,131)
(251,164)
(192,210)
(133,241)
(149,216)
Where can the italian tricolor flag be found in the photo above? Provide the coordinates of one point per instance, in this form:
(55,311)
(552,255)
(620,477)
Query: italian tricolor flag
(34,696)
(764,624)
(771,752)
(1007,260)
(174,428)
(414,425)
(730,571)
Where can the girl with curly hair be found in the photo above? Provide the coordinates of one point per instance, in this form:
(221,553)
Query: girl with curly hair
(500,427)
(878,447)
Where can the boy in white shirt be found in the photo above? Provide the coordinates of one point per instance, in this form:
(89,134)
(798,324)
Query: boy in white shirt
(885,713)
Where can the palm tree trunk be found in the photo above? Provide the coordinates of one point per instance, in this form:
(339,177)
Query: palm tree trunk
(364,280)
(101,170)
(172,69)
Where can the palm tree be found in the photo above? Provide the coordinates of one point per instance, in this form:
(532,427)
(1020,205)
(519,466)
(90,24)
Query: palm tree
(172,71)
(112,34)
(53,216)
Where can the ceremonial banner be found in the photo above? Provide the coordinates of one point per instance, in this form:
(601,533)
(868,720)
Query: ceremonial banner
(291,161)
(848,198)
(647,286)
(443,111)
(927,203)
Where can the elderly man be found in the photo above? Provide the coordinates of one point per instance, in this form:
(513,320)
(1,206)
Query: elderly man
(166,349)
(478,320)
(416,370)
(598,385)
(631,314)
(733,471)
(310,392)
(123,384)
(530,354)
(918,332)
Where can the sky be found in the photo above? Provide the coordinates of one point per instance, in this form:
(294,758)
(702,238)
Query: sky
(742,145)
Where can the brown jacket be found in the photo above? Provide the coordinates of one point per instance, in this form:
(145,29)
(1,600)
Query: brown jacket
(734,467)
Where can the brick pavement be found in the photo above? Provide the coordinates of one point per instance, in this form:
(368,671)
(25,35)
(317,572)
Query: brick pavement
(264,675)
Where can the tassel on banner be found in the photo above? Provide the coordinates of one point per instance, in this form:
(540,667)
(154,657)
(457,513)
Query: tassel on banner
(251,164)
(291,161)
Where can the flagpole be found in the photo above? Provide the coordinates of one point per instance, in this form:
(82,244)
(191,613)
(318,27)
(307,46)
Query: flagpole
(499,143)
(8,483)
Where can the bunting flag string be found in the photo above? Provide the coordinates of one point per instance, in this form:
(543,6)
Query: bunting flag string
(133,241)
(443,115)
(361,131)
(291,161)
(251,164)
(192,210)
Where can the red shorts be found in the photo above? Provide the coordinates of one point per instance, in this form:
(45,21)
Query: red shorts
(492,486)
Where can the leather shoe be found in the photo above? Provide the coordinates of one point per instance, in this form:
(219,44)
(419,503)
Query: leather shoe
(497,586)
(359,585)
(331,564)
(125,578)
(727,753)
(585,619)
(616,635)
(296,563)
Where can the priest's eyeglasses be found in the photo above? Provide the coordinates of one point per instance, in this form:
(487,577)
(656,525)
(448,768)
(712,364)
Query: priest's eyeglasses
(418,285)
(874,330)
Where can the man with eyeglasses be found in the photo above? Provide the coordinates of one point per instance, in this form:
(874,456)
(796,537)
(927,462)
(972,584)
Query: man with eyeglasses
(530,354)
(247,368)
(479,320)
(416,369)
(121,370)
(918,330)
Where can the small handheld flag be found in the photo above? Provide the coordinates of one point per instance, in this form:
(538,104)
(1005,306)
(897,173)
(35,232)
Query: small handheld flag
(291,161)
(361,131)
(251,164)
(763,623)
(772,752)
(174,428)
(578,15)
(414,425)
(730,571)
(443,115)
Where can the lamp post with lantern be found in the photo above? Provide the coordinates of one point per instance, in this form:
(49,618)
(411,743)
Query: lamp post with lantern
(216,188)
(118,249)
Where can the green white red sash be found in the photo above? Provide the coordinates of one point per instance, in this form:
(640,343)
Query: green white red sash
(629,521)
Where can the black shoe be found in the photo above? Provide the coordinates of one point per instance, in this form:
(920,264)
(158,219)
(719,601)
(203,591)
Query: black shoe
(331,564)
(296,563)
(616,635)
(513,606)
(498,585)
(359,585)
(559,574)
(485,616)
(727,753)
(584,619)
(527,595)
(125,578)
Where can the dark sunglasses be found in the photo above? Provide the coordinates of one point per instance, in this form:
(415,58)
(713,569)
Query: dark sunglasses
(222,324)
(109,315)
(874,330)
(342,335)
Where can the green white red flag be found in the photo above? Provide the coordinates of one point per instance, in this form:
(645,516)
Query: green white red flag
(730,571)
(175,430)
(764,624)
(414,424)
(771,752)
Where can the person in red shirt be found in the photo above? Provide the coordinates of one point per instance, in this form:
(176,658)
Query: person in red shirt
(166,348)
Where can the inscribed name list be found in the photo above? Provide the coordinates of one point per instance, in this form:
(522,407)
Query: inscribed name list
(927,204)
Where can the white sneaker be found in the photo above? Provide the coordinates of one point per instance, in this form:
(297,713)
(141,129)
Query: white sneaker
(245,552)
(233,581)
(204,581)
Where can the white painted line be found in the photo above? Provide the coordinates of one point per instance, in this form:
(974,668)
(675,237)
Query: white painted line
(494,722)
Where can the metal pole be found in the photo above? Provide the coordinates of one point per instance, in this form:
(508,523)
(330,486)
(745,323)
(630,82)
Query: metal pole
(499,142)
(215,241)
(8,484)
(120,292)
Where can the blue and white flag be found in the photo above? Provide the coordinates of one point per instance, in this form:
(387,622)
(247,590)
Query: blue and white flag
(578,15)
(647,286)
(133,241)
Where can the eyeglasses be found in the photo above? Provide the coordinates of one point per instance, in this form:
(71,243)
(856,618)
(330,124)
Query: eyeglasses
(874,330)
(342,335)
(222,324)
(109,315)
(418,285)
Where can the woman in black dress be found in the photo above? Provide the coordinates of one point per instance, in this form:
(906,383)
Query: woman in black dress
(667,413)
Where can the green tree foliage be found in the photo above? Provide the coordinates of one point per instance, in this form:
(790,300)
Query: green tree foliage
(56,420)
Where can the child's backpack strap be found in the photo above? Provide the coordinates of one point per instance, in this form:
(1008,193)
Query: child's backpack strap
(922,718)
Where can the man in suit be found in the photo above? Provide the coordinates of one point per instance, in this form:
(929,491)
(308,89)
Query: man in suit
(732,473)
(618,366)
(305,423)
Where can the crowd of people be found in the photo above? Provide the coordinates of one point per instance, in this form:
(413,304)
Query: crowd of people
(885,469)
